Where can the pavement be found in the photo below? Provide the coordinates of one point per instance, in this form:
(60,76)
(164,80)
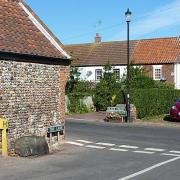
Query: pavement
(93,116)
(99,117)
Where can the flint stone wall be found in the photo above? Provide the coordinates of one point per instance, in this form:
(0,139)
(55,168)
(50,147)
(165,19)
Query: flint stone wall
(31,97)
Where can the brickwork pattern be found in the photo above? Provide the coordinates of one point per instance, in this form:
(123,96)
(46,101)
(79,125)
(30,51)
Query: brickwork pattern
(31,97)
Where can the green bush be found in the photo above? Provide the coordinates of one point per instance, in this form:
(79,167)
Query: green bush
(83,87)
(107,95)
(74,77)
(76,105)
(150,102)
(107,91)
(139,79)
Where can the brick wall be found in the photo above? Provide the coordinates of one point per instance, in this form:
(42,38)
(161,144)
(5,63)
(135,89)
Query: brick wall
(31,97)
(167,72)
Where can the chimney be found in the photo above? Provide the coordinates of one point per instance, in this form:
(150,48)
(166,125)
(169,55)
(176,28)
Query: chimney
(97,38)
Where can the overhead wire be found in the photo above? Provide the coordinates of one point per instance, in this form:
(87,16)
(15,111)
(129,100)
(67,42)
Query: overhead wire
(100,29)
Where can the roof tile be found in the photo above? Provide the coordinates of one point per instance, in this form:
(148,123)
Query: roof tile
(100,53)
(148,51)
(18,34)
(157,51)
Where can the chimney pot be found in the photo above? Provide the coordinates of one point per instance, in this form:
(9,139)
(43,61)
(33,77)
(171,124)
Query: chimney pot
(97,38)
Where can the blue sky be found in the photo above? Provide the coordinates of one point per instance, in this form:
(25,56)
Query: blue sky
(77,21)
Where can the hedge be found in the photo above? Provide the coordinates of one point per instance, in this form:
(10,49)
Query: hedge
(150,102)
(76,104)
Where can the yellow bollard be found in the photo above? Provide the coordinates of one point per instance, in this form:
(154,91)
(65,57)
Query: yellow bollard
(3,127)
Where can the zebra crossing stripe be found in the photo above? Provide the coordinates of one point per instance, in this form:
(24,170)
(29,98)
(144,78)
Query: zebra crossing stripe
(144,152)
(117,149)
(130,147)
(84,141)
(95,147)
(105,144)
(74,143)
(154,149)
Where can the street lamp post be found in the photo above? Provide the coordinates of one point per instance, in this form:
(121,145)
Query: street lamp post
(128,20)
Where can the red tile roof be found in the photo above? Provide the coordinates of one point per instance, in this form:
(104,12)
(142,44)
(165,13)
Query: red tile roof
(157,51)
(100,53)
(148,51)
(18,33)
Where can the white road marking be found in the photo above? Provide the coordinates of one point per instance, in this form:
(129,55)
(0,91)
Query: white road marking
(95,147)
(178,152)
(144,152)
(116,149)
(154,149)
(74,143)
(84,141)
(130,147)
(105,144)
(166,154)
(149,169)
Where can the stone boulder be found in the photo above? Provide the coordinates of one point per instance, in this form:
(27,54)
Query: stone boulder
(31,146)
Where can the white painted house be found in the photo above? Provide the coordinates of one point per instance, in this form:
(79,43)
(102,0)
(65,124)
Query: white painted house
(160,58)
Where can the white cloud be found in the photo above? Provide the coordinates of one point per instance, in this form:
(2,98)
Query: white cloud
(165,16)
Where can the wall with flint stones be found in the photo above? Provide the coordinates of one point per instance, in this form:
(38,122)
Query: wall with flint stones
(31,97)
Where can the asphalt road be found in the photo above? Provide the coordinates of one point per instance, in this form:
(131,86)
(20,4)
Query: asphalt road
(102,151)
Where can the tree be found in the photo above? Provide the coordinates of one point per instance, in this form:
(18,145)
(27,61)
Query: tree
(107,91)
(73,79)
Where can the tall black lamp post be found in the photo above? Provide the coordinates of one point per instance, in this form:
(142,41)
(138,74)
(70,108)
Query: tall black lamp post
(128,20)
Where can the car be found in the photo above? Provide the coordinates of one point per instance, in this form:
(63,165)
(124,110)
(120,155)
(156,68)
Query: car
(175,110)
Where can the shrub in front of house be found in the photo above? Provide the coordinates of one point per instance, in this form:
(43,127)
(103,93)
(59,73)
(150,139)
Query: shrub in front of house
(82,86)
(108,90)
(77,104)
(77,91)
(153,101)
(150,97)
(107,94)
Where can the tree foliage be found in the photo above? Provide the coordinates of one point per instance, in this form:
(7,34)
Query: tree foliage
(139,79)
(107,91)
(74,77)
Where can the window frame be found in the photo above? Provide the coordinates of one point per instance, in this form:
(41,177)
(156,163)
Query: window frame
(155,68)
(96,76)
(116,69)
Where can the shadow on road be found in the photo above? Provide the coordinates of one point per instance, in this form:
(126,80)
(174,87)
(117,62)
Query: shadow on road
(170,119)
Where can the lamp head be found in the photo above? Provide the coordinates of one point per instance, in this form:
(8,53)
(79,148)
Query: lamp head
(128,14)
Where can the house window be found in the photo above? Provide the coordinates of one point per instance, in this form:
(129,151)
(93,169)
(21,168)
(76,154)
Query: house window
(157,72)
(98,74)
(116,73)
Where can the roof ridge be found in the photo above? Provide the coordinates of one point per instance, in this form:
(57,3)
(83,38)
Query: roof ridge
(172,37)
(100,43)
(116,41)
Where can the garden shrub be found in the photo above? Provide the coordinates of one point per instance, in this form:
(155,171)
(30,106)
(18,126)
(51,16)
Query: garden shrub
(107,91)
(74,77)
(150,102)
(76,104)
(83,87)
